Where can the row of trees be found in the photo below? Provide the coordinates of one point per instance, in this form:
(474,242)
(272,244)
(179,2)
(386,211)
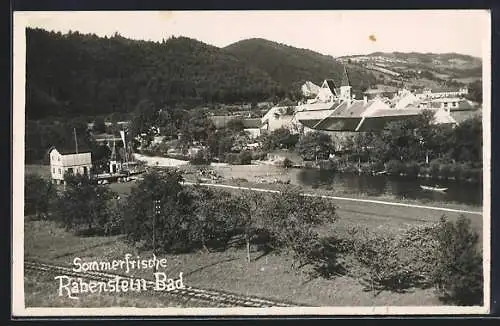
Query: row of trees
(160,213)
(419,140)
(411,140)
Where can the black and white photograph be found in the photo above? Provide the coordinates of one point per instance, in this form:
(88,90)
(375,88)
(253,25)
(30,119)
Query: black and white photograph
(251,162)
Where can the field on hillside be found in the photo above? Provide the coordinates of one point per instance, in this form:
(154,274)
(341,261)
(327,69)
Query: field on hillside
(266,275)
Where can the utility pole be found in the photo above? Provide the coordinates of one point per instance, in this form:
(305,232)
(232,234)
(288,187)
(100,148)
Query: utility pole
(76,142)
(157,210)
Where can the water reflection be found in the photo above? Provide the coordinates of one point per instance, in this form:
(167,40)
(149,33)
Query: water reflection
(401,187)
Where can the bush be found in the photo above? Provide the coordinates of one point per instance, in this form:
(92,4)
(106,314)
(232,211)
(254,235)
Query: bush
(329,165)
(445,170)
(394,167)
(454,171)
(424,171)
(287,163)
(477,174)
(387,262)
(367,167)
(465,171)
(202,157)
(458,274)
(245,158)
(290,219)
(435,168)
(259,155)
(395,263)
(232,158)
(350,168)
(412,168)
(39,194)
(83,205)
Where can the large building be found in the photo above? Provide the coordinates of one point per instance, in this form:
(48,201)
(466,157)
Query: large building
(430,93)
(336,110)
(67,161)
(278,117)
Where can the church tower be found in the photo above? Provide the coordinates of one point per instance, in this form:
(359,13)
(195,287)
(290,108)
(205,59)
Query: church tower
(114,165)
(345,87)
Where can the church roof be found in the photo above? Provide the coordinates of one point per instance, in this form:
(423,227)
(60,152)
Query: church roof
(331,85)
(346,81)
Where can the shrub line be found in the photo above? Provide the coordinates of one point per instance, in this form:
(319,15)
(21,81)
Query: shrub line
(343,198)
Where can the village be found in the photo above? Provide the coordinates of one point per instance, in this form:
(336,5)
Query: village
(261,170)
(331,109)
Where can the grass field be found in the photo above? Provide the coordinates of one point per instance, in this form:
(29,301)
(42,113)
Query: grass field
(43,292)
(268,276)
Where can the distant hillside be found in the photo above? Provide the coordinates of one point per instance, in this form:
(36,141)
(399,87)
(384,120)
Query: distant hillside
(444,66)
(292,67)
(76,74)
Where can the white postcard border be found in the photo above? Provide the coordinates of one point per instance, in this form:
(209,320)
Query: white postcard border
(21,20)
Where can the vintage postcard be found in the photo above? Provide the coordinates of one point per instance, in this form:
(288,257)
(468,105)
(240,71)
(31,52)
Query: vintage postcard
(251,163)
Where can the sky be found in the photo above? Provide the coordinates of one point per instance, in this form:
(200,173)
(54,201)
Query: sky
(330,32)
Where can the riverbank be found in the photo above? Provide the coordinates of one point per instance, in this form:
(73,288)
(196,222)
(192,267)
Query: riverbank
(265,176)
(331,191)
(376,215)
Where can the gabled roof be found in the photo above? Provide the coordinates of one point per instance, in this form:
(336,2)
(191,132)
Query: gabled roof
(346,81)
(251,123)
(331,85)
(69,151)
(443,117)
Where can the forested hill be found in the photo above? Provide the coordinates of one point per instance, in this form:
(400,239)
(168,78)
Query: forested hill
(291,66)
(76,74)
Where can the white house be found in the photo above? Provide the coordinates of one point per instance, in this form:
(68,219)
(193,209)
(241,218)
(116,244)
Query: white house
(68,162)
(442,92)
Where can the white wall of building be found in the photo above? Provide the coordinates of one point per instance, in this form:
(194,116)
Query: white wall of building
(80,163)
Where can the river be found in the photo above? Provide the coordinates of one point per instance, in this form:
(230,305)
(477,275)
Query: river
(399,187)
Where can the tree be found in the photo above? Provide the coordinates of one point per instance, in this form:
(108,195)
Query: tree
(201,157)
(291,220)
(38,195)
(315,146)
(99,125)
(280,138)
(251,221)
(100,157)
(83,204)
(218,215)
(220,142)
(458,276)
(173,226)
(145,121)
(467,141)
(475,91)
(196,127)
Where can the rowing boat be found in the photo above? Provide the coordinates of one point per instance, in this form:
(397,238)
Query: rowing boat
(433,188)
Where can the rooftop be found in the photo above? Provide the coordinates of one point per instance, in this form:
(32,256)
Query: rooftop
(251,123)
(70,151)
(346,81)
